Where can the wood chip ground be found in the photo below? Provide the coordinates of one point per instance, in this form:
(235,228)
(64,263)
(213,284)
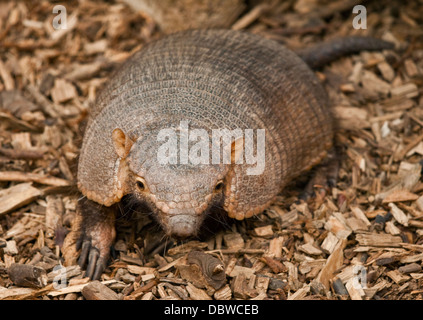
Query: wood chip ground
(363,239)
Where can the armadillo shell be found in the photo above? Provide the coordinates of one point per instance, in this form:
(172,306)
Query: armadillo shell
(215,78)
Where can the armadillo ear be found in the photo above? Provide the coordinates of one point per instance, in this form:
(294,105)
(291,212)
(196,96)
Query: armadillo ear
(122,143)
(237,148)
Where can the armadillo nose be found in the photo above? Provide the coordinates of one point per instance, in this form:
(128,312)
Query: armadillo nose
(182,226)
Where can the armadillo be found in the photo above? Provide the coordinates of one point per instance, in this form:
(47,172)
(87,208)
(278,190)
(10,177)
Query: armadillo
(198,81)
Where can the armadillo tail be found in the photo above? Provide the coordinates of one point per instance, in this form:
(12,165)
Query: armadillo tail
(326,52)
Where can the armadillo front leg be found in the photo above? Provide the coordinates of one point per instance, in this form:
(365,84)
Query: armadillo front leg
(97,235)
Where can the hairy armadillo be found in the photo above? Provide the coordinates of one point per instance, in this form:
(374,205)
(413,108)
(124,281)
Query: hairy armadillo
(198,81)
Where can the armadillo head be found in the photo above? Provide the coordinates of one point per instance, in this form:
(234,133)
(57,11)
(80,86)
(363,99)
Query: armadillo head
(179,194)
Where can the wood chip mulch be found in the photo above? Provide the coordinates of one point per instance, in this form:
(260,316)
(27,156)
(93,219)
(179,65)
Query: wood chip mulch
(363,239)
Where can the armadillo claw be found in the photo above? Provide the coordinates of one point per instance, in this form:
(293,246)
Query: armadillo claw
(92,263)
(85,249)
(95,266)
(97,234)
(91,257)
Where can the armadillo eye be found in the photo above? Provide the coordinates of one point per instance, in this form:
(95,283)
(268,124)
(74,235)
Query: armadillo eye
(141,184)
(219,186)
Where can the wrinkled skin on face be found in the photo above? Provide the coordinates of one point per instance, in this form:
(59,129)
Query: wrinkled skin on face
(179,195)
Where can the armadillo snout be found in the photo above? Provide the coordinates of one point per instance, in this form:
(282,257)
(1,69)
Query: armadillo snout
(183,226)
